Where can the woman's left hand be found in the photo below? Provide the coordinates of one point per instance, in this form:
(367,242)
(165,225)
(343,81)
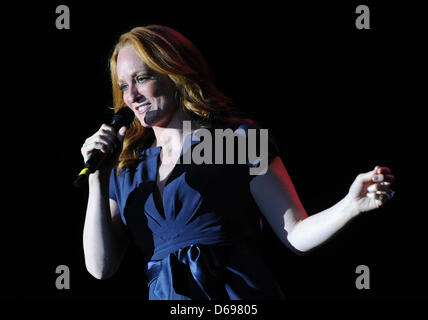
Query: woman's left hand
(372,189)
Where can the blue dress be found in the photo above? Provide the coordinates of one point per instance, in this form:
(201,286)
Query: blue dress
(203,240)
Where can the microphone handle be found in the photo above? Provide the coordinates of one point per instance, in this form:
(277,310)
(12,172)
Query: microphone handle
(91,166)
(96,158)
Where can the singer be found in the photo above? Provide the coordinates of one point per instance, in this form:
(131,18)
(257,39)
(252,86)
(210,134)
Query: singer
(197,225)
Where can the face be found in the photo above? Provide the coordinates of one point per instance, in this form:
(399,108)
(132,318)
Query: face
(151,95)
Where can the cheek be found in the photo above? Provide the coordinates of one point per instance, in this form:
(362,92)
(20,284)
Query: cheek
(148,91)
(165,88)
(159,90)
(151,89)
(126,99)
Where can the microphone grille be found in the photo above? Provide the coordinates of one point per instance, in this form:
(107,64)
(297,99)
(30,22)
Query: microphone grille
(123,117)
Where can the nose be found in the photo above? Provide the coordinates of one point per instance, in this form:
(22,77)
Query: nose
(133,94)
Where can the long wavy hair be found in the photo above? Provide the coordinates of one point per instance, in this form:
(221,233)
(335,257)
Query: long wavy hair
(169,52)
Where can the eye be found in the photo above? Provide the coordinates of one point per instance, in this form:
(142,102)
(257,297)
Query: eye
(141,78)
(123,87)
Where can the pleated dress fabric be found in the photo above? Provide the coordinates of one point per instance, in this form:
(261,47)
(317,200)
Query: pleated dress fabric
(203,241)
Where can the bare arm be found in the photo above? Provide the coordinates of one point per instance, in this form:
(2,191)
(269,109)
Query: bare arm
(105,237)
(276,197)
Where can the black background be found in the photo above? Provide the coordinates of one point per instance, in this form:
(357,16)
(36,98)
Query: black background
(339,101)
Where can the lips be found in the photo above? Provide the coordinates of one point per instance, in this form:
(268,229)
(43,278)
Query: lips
(142,108)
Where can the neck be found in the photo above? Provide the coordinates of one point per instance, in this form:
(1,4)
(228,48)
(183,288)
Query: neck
(172,134)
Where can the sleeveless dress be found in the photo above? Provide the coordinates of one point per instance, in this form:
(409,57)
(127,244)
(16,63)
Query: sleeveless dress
(203,242)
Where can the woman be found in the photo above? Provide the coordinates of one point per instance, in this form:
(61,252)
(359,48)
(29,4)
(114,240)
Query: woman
(196,224)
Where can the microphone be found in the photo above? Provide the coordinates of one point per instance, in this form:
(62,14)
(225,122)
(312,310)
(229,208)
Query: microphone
(123,117)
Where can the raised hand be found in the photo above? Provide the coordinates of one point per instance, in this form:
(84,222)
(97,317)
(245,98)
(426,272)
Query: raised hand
(372,189)
(108,141)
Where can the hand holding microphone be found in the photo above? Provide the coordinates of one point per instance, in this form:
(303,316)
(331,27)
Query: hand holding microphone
(104,142)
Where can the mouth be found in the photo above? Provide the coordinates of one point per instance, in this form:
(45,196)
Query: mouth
(142,108)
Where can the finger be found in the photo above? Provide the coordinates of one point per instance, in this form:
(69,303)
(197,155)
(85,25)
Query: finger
(108,141)
(379,199)
(377,195)
(371,195)
(383,170)
(100,142)
(368,176)
(383,178)
(96,135)
(381,195)
(109,138)
(106,128)
(121,134)
(388,194)
(109,131)
(378,187)
(90,148)
(100,145)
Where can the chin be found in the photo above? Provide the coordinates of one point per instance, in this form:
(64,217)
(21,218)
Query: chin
(144,124)
(150,124)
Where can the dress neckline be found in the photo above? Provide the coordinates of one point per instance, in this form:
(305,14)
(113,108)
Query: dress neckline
(158,196)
